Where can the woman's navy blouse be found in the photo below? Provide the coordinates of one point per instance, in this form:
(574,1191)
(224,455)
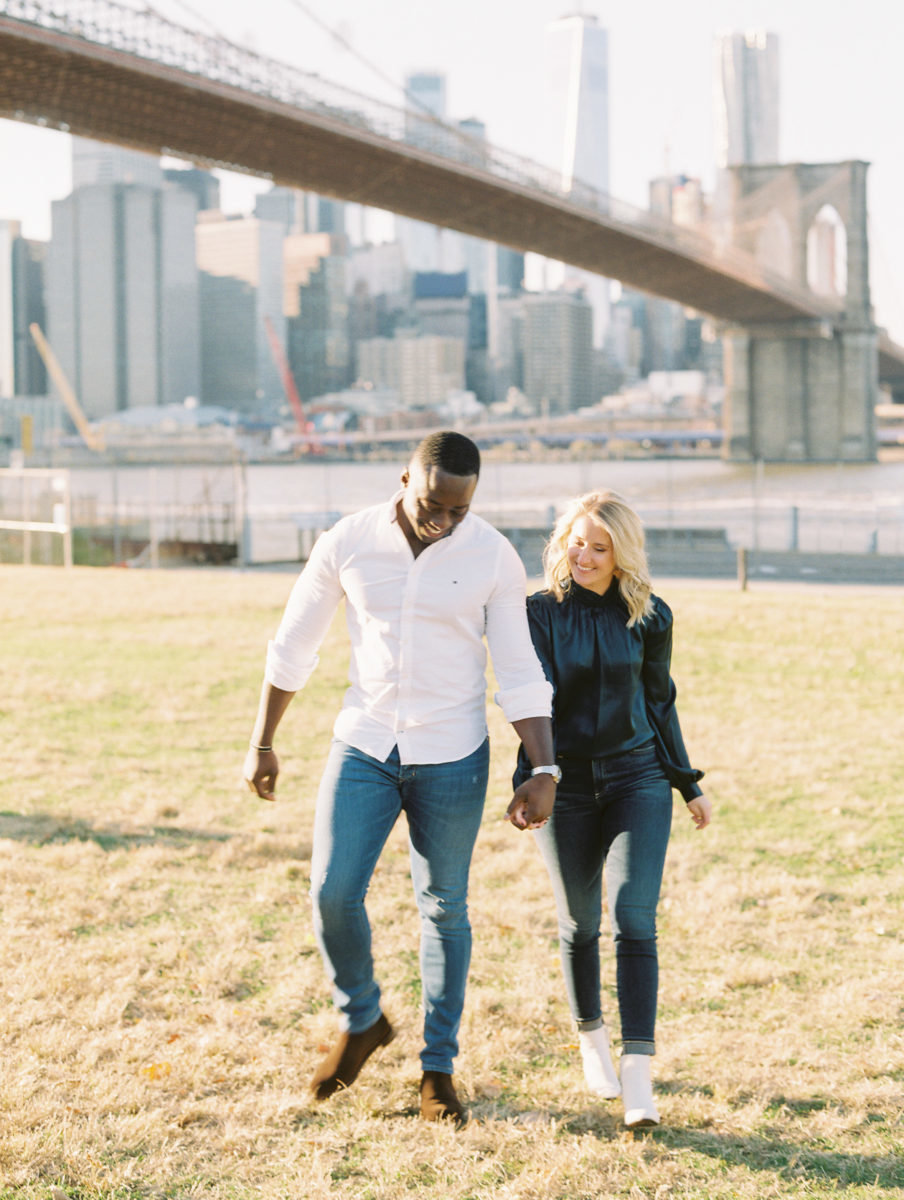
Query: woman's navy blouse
(612,687)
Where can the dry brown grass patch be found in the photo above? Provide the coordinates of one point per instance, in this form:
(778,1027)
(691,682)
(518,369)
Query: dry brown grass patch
(164,1003)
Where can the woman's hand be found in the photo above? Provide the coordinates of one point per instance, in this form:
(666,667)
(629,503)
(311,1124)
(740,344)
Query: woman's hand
(701,811)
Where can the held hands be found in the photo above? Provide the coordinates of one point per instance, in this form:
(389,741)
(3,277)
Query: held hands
(260,771)
(701,811)
(532,803)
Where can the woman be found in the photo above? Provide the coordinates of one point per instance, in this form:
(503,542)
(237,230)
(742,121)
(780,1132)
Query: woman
(605,643)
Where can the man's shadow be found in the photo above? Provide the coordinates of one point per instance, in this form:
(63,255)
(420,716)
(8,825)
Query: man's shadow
(44,829)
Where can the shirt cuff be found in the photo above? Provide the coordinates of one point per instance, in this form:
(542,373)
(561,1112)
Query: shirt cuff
(286,673)
(529,700)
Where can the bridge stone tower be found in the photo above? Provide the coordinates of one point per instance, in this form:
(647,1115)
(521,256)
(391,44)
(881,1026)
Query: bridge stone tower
(804,390)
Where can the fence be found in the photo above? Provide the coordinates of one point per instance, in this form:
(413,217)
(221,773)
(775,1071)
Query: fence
(35,507)
(257,514)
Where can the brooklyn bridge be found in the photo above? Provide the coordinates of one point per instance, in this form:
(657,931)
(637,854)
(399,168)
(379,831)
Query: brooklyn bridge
(802,369)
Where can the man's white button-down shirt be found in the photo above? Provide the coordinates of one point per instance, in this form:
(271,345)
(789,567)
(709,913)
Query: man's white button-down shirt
(417,627)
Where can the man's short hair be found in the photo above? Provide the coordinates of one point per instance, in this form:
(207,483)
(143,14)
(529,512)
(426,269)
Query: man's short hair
(448,451)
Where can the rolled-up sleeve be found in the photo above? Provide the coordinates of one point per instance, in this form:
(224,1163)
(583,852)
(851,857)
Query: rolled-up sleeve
(292,654)
(524,690)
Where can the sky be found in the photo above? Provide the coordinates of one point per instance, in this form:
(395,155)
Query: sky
(840,88)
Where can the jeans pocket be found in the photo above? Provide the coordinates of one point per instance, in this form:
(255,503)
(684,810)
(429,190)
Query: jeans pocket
(635,768)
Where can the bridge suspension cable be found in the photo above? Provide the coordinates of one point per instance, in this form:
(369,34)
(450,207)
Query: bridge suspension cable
(886,279)
(346,45)
(343,41)
(205,20)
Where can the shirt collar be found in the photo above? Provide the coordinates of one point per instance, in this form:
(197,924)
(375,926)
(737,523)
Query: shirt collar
(583,595)
(393,514)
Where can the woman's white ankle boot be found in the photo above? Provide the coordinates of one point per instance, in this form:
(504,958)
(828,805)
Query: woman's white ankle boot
(637,1091)
(599,1070)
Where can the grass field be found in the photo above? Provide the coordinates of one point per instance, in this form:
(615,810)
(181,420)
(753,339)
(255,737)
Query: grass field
(163,1003)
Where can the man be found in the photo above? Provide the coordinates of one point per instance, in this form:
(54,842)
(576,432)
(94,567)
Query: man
(423,580)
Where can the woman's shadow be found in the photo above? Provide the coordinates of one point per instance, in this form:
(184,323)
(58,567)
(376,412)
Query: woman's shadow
(773,1151)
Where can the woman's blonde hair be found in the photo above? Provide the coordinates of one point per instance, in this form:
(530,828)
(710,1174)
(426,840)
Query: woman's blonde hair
(625,529)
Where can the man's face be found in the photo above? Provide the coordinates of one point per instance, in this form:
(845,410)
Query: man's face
(434,501)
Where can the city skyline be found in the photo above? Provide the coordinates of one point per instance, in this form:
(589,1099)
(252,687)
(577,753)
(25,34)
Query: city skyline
(833,80)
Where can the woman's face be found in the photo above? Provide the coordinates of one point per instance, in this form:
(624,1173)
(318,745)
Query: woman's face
(590,555)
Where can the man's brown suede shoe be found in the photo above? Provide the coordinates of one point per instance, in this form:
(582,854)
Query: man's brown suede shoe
(439,1101)
(341,1066)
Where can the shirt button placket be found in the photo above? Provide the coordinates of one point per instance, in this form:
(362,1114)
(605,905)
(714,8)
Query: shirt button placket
(406,659)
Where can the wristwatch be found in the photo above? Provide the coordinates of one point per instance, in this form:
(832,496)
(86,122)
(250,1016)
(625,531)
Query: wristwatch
(553,770)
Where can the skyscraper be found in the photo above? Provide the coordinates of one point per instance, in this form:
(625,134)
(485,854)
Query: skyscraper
(22,262)
(558,352)
(423,370)
(575,141)
(122,295)
(102,162)
(678,198)
(425,97)
(576,134)
(431,247)
(203,185)
(746,98)
(9,231)
(746,113)
(242,273)
(316,308)
(284,205)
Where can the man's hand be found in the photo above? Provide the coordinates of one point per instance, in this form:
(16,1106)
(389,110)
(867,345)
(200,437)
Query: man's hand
(261,769)
(532,803)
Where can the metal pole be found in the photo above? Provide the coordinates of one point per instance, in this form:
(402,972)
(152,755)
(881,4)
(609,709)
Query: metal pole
(757,482)
(155,548)
(117,540)
(26,517)
(238,513)
(67,520)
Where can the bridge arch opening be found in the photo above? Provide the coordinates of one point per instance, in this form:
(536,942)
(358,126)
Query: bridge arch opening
(827,253)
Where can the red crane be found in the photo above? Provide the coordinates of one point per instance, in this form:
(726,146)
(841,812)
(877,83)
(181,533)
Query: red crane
(305,427)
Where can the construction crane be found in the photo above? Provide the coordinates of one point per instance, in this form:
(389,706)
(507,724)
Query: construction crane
(92,439)
(305,427)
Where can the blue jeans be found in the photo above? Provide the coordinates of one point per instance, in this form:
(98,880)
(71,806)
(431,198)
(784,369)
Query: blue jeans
(359,801)
(611,814)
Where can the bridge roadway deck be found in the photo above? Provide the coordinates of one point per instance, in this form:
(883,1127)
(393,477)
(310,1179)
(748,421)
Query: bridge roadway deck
(67,82)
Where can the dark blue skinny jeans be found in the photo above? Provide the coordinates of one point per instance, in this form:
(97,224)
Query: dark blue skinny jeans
(611,815)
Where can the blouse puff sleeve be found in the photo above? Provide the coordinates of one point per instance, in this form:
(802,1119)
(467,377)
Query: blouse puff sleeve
(538,624)
(660,694)
(538,620)
(524,688)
